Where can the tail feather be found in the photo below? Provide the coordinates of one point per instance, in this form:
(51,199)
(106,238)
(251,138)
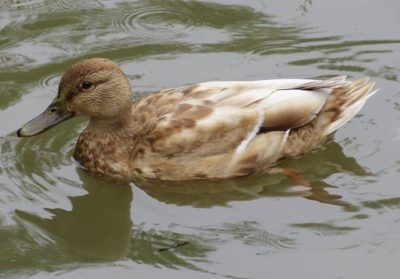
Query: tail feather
(344,103)
(345,100)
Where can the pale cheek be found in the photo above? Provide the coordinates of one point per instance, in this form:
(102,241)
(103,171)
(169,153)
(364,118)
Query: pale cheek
(77,107)
(71,107)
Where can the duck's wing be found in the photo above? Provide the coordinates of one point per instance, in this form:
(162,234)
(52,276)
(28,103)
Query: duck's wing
(221,117)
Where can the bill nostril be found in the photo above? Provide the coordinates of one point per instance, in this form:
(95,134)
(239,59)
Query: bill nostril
(19,133)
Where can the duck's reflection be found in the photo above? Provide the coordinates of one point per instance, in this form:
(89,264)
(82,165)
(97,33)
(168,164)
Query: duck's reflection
(315,167)
(99,228)
(99,224)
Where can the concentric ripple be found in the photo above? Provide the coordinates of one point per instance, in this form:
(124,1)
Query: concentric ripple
(49,83)
(156,23)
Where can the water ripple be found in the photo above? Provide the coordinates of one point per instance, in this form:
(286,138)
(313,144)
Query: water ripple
(54,5)
(71,5)
(29,4)
(251,234)
(36,170)
(13,59)
(49,82)
(156,23)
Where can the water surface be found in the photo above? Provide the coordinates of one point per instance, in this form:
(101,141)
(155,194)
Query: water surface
(58,221)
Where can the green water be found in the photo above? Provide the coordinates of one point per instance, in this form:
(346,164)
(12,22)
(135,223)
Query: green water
(58,221)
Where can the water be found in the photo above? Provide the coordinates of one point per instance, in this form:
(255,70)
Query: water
(58,221)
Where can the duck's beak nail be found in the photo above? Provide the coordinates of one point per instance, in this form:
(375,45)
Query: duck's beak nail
(53,115)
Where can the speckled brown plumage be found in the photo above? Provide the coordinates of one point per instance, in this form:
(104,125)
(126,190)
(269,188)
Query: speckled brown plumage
(207,130)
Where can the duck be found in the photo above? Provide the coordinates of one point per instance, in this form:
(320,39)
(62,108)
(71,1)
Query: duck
(209,130)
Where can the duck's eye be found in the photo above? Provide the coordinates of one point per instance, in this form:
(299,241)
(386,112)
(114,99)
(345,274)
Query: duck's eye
(86,84)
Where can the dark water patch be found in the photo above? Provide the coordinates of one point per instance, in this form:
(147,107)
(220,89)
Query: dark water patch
(10,93)
(90,224)
(96,228)
(342,64)
(361,216)
(344,68)
(348,45)
(25,247)
(4,42)
(383,204)
(47,24)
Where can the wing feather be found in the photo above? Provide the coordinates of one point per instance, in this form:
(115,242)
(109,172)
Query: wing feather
(220,115)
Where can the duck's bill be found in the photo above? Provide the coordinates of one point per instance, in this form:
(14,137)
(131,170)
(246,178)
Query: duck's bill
(52,116)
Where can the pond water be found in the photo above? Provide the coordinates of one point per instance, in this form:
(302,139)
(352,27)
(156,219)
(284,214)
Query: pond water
(58,221)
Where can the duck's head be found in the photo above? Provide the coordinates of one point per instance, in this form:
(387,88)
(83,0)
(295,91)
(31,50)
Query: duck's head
(94,87)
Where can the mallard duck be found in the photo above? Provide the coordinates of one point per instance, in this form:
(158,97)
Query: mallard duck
(216,129)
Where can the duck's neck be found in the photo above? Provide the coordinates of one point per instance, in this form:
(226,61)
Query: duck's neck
(104,146)
(112,125)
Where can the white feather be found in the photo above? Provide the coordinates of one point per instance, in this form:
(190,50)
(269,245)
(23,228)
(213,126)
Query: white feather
(243,145)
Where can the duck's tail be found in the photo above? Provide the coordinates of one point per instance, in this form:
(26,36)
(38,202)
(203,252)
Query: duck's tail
(343,103)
